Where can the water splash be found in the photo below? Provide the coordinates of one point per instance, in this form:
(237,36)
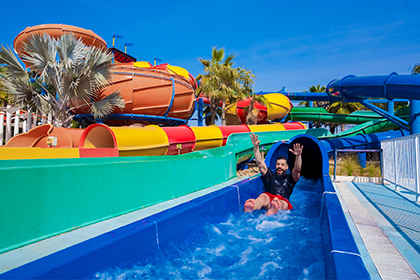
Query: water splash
(287,245)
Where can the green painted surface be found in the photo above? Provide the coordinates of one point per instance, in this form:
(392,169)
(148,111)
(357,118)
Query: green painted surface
(45,197)
(322,115)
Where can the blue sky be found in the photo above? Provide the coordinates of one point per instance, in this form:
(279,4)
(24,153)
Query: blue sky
(292,44)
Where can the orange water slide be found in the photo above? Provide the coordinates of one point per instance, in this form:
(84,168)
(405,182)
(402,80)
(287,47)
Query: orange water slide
(37,137)
(153,91)
(164,90)
(88,37)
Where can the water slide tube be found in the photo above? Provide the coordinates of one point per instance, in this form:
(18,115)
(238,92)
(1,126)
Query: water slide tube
(322,115)
(149,91)
(316,151)
(155,140)
(152,94)
(88,37)
(369,122)
(99,140)
(336,231)
(386,86)
(279,106)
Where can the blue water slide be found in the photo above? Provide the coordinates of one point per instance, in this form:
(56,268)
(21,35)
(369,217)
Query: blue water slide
(342,249)
(352,88)
(386,86)
(315,152)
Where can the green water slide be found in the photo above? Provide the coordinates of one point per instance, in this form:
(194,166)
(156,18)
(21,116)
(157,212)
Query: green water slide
(367,121)
(318,114)
(41,198)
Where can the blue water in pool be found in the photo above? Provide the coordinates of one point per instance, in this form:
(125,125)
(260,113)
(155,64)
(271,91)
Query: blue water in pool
(287,245)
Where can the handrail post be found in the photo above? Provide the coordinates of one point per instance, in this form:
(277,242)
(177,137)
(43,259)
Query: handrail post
(417,170)
(335,164)
(382,166)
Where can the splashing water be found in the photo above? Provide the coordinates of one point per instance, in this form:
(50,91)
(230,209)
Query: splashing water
(287,245)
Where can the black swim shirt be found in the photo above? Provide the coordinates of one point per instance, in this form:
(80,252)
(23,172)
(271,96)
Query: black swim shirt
(278,185)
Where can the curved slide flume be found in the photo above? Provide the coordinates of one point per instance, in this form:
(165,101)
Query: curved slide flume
(322,115)
(368,122)
(154,140)
(279,106)
(152,94)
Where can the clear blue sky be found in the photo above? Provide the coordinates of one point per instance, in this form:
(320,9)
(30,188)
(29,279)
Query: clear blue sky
(294,44)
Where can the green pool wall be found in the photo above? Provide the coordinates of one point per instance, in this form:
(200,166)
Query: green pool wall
(41,198)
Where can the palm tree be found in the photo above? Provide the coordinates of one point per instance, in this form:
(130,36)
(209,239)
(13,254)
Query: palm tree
(64,75)
(222,82)
(343,108)
(337,107)
(416,69)
(4,97)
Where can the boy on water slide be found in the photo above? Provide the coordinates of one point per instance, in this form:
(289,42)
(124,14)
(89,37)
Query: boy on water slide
(278,186)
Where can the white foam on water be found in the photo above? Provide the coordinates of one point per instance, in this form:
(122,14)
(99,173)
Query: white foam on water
(268,266)
(245,246)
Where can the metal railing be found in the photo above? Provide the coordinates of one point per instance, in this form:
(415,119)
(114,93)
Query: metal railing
(400,162)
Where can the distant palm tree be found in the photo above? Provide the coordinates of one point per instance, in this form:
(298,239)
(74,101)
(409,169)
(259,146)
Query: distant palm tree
(337,107)
(343,108)
(317,88)
(416,69)
(4,97)
(222,82)
(64,75)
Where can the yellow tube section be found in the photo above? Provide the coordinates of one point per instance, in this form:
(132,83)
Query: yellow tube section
(207,137)
(266,127)
(141,141)
(37,153)
(130,141)
(279,106)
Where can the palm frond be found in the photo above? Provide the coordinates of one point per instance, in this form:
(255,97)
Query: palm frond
(70,50)
(206,63)
(75,84)
(229,60)
(40,54)
(98,62)
(107,105)
(14,68)
(217,55)
(416,69)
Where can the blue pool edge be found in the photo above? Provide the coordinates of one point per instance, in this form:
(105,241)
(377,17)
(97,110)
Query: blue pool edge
(157,228)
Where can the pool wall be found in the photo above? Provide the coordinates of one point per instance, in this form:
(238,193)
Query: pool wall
(154,232)
(41,198)
(342,257)
(157,231)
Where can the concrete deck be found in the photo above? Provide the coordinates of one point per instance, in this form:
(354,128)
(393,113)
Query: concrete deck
(386,226)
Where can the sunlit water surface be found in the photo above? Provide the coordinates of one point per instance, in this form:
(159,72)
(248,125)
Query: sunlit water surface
(287,245)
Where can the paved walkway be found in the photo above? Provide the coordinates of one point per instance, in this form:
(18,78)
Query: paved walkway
(388,224)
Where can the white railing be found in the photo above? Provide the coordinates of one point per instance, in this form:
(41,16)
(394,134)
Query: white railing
(14,121)
(400,162)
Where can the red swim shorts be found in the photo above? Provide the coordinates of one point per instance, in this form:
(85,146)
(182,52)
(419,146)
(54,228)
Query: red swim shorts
(272,196)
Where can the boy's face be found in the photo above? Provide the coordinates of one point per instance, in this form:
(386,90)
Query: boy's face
(281,166)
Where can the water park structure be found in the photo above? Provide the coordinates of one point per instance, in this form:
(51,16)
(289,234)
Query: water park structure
(124,190)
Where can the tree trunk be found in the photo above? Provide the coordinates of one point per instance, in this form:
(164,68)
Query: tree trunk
(224,112)
(213,110)
(251,116)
